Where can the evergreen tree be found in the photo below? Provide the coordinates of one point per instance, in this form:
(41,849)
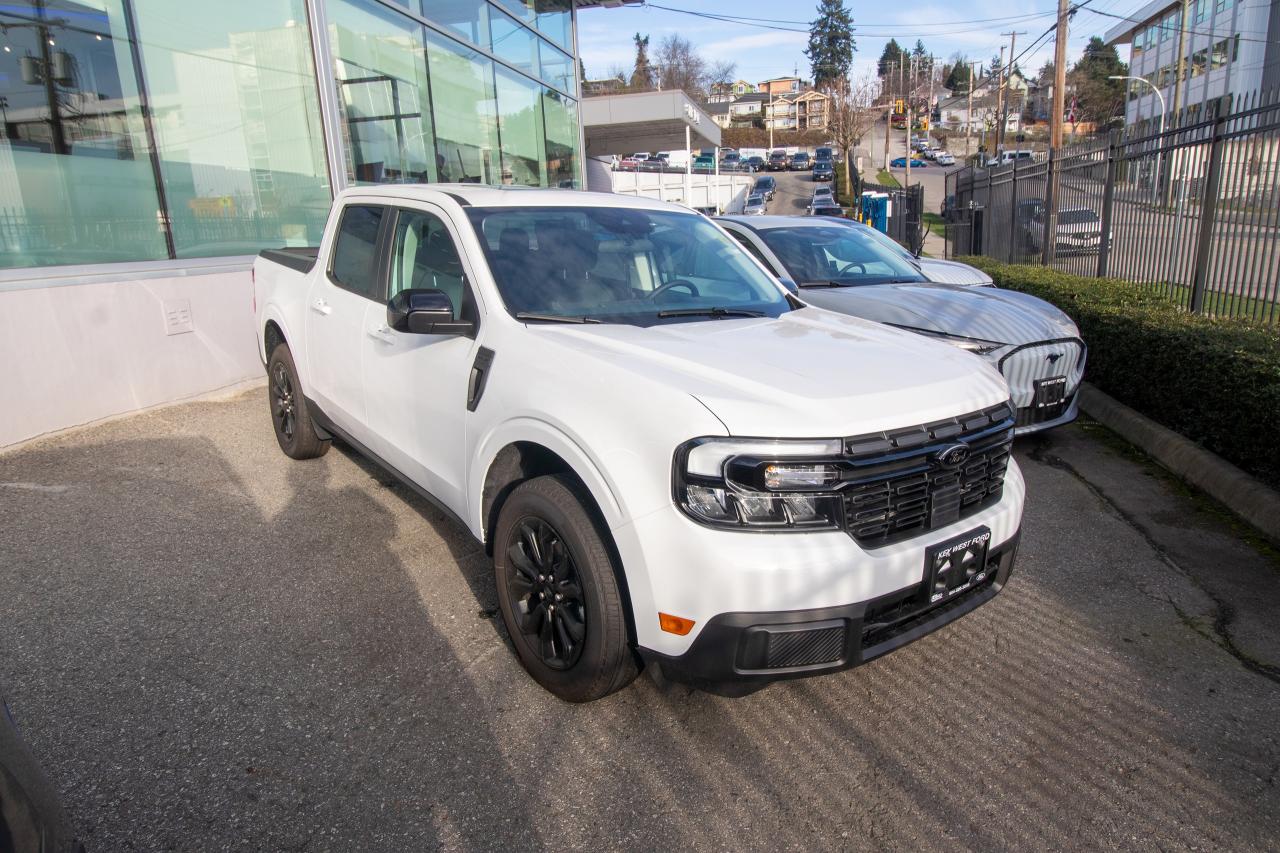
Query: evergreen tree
(889,59)
(831,44)
(1098,99)
(642,74)
(919,51)
(956,76)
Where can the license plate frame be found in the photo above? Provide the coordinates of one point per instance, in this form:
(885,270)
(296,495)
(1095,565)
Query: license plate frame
(956,565)
(1051,391)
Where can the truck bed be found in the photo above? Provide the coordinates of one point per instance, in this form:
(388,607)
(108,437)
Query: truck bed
(300,258)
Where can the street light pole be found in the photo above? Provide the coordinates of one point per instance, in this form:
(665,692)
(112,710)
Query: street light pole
(1155,184)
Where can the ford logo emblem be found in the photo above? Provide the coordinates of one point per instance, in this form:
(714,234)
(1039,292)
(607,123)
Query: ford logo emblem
(1053,357)
(953,456)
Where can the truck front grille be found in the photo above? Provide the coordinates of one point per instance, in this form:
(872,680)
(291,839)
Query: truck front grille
(903,486)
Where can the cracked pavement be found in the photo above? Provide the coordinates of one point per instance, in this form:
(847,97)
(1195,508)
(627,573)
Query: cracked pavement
(211,647)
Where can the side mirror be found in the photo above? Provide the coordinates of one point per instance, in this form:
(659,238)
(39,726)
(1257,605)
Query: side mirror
(425,311)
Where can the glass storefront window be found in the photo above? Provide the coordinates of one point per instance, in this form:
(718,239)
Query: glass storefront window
(380,71)
(561,117)
(514,44)
(467,18)
(555,21)
(465,112)
(77,185)
(520,124)
(237,123)
(557,67)
(522,9)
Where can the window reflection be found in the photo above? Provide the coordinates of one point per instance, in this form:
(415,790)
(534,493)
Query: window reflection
(514,44)
(237,123)
(555,21)
(76,180)
(467,18)
(560,115)
(465,112)
(520,116)
(380,70)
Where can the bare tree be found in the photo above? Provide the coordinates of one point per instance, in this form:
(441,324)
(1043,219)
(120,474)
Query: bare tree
(680,67)
(722,72)
(853,113)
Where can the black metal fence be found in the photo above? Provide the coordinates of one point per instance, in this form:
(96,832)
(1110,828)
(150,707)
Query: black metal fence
(906,206)
(1193,212)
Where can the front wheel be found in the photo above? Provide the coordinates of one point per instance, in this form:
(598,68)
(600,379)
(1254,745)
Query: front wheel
(558,593)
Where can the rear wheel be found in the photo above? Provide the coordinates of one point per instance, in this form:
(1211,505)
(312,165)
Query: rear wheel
(558,592)
(295,431)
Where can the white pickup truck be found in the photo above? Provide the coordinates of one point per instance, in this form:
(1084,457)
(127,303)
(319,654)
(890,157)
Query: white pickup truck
(671,459)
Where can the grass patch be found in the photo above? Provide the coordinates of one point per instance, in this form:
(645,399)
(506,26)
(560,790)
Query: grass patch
(1215,381)
(935,223)
(885,179)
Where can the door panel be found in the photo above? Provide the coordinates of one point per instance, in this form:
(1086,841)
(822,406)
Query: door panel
(336,309)
(416,385)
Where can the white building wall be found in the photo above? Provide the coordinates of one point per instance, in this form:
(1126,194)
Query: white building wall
(77,353)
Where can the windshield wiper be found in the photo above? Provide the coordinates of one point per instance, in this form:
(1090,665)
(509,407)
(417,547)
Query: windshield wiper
(709,312)
(826,284)
(553,318)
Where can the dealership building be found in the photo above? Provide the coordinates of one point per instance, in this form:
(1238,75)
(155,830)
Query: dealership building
(150,148)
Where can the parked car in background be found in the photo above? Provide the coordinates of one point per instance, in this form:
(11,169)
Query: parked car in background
(653,164)
(845,267)
(823,171)
(754,205)
(944,158)
(617,394)
(767,185)
(730,160)
(824,191)
(901,163)
(756,163)
(704,165)
(936,269)
(799,162)
(825,207)
(1079,231)
(32,819)
(1004,158)
(777,161)
(628,164)
(928,152)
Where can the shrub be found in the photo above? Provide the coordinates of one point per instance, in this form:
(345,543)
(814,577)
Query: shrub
(1215,381)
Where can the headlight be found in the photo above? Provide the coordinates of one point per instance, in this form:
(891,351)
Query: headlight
(974,345)
(760,483)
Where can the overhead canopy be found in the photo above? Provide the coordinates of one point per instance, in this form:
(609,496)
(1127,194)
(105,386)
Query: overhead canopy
(645,121)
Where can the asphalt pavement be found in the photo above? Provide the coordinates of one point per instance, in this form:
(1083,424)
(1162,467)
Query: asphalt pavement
(211,647)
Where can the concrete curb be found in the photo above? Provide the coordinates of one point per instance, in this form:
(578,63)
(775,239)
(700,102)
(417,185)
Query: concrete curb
(1247,497)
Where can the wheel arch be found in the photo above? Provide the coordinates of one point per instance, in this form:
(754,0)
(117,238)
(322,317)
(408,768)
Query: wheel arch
(521,460)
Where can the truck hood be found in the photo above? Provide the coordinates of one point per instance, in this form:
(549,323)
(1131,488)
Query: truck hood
(986,313)
(808,373)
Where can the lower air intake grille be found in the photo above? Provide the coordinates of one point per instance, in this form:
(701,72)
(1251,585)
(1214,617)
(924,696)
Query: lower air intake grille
(800,648)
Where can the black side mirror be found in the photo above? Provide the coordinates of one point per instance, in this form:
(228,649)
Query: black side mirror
(425,311)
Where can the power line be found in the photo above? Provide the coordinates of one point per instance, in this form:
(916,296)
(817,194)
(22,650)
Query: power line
(771,23)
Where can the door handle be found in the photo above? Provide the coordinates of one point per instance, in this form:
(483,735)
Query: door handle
(381,333)
(321,307)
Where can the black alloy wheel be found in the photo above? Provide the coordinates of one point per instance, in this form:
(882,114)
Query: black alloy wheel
(283,405)
(546,593)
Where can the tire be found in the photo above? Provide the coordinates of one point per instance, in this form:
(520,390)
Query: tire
(543,524)
(295,431)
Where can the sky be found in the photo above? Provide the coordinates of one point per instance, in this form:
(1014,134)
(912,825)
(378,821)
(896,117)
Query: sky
(775,48)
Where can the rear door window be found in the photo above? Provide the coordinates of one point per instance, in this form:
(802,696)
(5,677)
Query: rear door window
(355,252)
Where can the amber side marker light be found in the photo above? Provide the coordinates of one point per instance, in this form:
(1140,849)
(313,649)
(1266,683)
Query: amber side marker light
(674,624)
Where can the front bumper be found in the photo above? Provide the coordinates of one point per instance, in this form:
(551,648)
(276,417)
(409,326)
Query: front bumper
(769,646)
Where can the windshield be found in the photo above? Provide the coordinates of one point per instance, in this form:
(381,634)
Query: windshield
(838,254)
(888,242)
(620,265)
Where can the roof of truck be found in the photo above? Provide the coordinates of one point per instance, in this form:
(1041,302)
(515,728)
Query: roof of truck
(481,195)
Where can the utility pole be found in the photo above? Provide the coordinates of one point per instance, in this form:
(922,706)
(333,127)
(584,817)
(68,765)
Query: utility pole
(1182,62)
(1004,114)
(1060,74)
(906,180)
(968,117)
(999,95)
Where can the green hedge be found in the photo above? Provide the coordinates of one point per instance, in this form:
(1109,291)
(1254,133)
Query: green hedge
(1214,381)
